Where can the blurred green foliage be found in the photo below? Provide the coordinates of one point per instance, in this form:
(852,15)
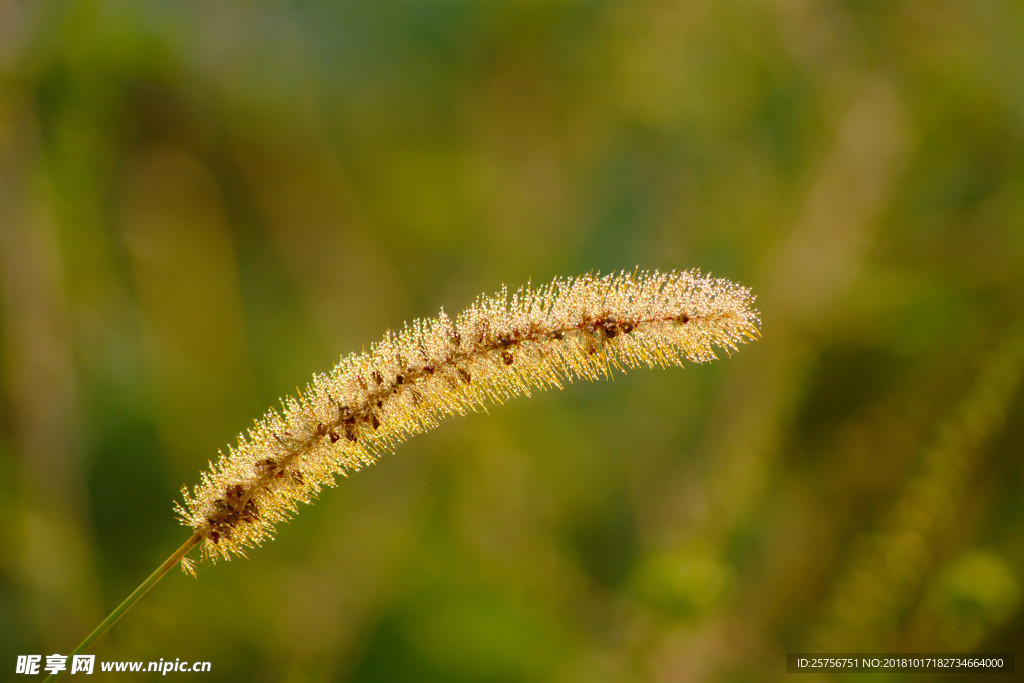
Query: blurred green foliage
(201,205)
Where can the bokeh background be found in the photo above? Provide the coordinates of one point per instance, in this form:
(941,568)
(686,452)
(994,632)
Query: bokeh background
(203,204)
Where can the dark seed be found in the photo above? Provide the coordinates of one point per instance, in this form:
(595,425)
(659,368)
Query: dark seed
(377,377)
(251,513)
(465,376)
(507,358)
(334,436)
(374,422)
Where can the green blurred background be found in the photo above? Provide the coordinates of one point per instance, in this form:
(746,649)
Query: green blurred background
(203,204)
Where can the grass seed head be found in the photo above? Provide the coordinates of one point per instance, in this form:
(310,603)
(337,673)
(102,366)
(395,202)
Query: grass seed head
(408,382)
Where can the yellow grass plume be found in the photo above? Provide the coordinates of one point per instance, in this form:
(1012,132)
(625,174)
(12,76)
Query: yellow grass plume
(501,346)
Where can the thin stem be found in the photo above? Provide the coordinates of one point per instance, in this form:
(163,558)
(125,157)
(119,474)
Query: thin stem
(141,590)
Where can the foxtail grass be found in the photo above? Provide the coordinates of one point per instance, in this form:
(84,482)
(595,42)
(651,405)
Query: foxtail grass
(502,346)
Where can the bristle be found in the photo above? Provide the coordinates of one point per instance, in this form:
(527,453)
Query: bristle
(407,383)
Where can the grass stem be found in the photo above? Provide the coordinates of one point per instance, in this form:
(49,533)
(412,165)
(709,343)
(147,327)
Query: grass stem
(125,605)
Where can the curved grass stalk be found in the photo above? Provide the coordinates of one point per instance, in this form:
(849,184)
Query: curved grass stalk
(501,346)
